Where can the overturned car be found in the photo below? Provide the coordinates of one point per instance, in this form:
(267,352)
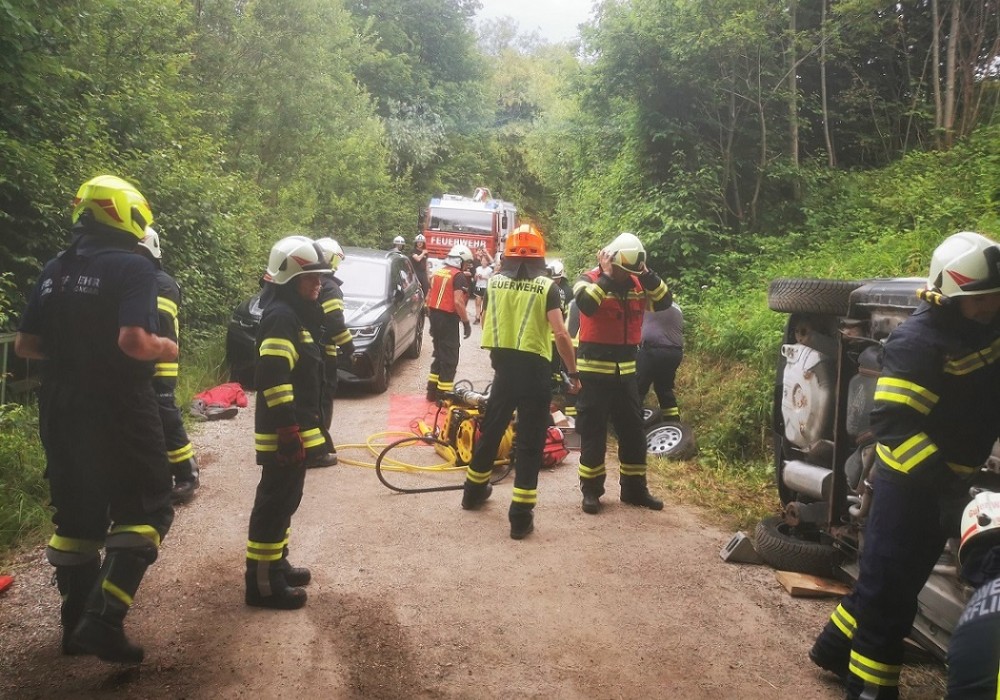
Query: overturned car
(828,365)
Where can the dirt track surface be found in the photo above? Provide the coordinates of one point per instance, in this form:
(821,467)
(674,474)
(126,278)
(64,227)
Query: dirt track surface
(413,597)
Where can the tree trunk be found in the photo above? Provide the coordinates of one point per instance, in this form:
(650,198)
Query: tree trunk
(793,87)
(831,156)
(936,70)
(951,68)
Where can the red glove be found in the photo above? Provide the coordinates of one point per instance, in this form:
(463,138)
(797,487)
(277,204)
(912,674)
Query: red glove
(291,451)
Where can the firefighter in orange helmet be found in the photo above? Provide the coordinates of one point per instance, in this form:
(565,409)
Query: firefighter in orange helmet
(446,300)
(522,313)
(612,299)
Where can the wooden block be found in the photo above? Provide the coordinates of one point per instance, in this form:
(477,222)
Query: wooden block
(804,585)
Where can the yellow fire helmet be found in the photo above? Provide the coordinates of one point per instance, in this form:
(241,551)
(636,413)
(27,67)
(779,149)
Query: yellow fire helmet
(113,202)
(331,251)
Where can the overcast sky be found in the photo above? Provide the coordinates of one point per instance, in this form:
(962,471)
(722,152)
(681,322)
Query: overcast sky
(555,20)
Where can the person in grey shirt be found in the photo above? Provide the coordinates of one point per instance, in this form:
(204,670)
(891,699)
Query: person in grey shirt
(660,354)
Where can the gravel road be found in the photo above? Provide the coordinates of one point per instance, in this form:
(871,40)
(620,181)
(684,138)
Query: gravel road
(413,597)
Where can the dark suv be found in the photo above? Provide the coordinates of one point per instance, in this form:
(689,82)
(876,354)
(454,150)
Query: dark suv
(384,310)
(828,364)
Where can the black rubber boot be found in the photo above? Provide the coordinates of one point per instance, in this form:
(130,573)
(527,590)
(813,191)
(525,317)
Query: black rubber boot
(100,631)
(522,522)
(475,495)
(267,587)
(432,391)
(75,584)
(832,651)
(636,493)
(185,481)
(592,490)
(327,459)
(294,575)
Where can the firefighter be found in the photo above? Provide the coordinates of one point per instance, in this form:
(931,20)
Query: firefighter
(974,649)
(935,421)
(418,256)
(523,311)
(180,451)
(557,272)
(447,299)
(398,243)
(92,317)
(612,299)
(336,340)
(660,354)
(289,379)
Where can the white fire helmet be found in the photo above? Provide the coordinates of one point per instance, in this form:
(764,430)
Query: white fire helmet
(399,241)
(627,252)
(556,269)
(420,238)
(965,264)
(293,256)
(331,251)
(980,518)
(151,242)
(458,256)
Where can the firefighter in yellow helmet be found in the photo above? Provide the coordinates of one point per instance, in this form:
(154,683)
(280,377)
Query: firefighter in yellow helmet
(288,414)
(522,314)
(935,420)
(93,318)
(612,299)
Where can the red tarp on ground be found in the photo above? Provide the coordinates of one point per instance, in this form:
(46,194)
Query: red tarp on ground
(404,409)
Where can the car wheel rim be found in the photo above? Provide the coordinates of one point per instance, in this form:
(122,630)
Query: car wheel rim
(664,439)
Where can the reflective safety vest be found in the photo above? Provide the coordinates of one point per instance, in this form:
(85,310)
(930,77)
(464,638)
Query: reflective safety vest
(618,319)
(442,293)
(516,318)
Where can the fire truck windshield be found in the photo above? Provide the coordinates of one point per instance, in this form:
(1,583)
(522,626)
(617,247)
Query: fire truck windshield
(461,220)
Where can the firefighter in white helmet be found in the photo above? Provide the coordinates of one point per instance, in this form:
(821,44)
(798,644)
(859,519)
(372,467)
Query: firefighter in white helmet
(446,301)
(974,648)
(935,420)
(287,421)
(398,243)
(180,451)
(612,299)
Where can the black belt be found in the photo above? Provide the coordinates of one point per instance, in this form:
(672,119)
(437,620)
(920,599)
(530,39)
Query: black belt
(661,347)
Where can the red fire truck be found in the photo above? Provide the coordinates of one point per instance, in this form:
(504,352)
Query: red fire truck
(479,221)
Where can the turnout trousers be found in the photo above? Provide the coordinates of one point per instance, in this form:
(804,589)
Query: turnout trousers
(614,398)
(179,447)
(903,540)
(521,383)
(278,496)
(445,337)
(657,366)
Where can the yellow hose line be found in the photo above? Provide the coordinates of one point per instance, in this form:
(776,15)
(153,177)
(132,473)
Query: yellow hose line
(389,464)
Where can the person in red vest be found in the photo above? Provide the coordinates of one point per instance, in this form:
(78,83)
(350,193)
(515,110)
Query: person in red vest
(449,293)
(612,299)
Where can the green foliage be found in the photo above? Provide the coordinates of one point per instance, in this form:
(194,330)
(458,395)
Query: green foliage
(23,490)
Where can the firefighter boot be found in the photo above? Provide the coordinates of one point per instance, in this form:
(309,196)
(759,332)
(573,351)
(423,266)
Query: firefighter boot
(185,481)
(432,391)
(75,584)
(592,489)
(635,492)
(475,495)
(832,651)
(859,689)
(100,631)
(267,587)
(522,521)
(295,576)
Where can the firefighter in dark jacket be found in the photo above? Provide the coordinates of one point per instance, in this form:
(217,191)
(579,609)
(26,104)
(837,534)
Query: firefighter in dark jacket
(522,314)
(336,340)
(287,422)
(612,299)
(935,420)
(92,319)
(974,648)
(180,451)
(446,300)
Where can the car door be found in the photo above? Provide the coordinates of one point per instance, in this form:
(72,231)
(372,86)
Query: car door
(402,316)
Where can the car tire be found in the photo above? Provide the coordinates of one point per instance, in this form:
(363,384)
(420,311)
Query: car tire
(784,550)
(814,296)
(651,416)
(413,352)
(670,440)
(380,383)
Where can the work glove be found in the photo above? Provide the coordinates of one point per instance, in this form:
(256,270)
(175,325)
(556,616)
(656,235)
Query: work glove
(466,329)
(291,451)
